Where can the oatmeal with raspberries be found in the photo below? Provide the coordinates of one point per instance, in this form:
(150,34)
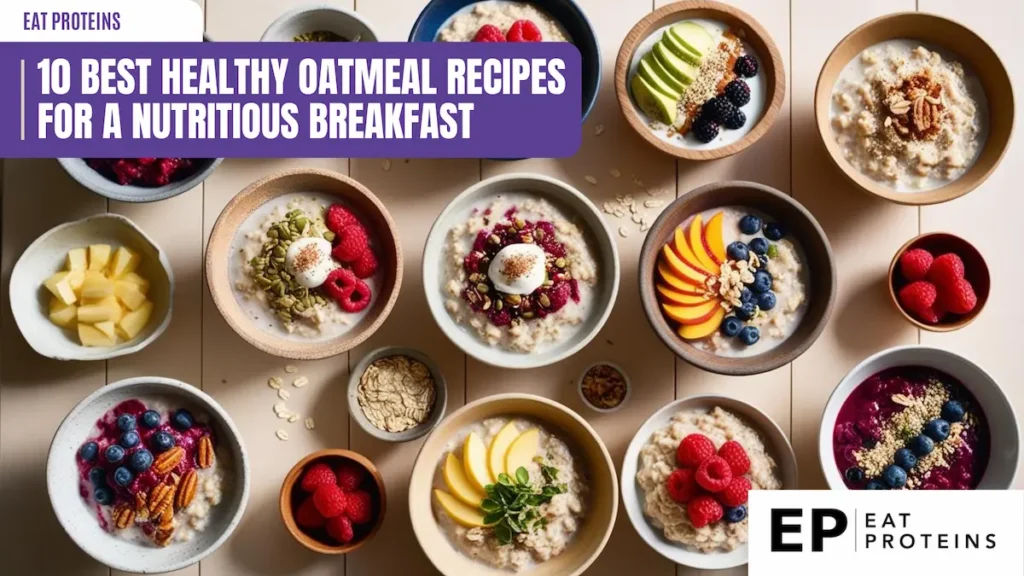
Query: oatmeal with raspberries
(516,21)
(908,117)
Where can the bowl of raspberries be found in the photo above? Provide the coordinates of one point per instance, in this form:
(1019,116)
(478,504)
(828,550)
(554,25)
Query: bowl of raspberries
(333,501)
(939,282)
(139,179)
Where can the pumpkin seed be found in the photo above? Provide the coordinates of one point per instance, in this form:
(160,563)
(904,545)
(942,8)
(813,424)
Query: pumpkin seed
(300,223)
(538,234)
(527,315)
(544,300)
(514,299)
(560,262)
(493,239)
(520,223)
(329,236)
(498,305)
(482,288)
(272,233)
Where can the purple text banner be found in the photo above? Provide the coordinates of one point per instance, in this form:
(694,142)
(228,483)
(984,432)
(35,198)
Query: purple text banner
(310,100)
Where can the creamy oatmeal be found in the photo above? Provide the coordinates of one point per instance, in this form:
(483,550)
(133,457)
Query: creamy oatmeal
(906,116)
(463,26)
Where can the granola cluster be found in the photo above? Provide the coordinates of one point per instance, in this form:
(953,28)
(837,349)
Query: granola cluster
(732,278)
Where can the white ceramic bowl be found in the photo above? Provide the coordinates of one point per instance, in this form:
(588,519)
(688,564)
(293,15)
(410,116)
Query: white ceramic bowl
(100,184)
(79,520)
(573,204)
(1002,422)
(774,439)
(440,395)
(305,19)
(625,377)
(47,255)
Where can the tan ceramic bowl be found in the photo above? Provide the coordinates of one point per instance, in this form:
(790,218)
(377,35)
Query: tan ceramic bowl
(595,528)
(219,255)
(768,58)
(317,539)
(975,270)
(970,50)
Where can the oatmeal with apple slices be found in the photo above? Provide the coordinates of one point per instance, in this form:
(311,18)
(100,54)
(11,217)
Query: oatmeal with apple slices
(152,474)
(520,274)
(509,493)
(696,474)
(502,21)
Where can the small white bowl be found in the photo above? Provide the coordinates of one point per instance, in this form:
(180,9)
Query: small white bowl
(1002,422)
(305,19)
(775,442)
(79,520)
(436,413)
(48,254)
(625,377)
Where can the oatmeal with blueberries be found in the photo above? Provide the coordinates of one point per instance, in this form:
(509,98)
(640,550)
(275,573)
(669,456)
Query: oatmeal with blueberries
(502,21)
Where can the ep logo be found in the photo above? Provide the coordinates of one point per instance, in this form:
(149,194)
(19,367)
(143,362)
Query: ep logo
(825,523)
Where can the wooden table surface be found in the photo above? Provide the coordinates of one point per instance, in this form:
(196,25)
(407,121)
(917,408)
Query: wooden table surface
(200,348)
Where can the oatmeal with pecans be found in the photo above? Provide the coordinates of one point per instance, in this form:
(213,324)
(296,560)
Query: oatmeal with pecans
(468,24)
(905,116)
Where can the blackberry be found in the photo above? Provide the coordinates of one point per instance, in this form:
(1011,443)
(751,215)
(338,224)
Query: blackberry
(746,66)
(738,92)
(735,120)
(718,109)
(705,129)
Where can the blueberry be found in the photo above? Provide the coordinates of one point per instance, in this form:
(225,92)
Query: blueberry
(952,411)
(874,485)
(750,224)
(921,445)
(89,451)
(759,246)
(762,282)
(737,514)
(854,474)
(905,459)
(746,295)
(113,454)
(130,439)
(103,495)
(98,477)
(123,476)
(746,311)
(738,251)
(766,301)
(894,476)
(126,422)
(937,429)
(182,419)
(774,231)
(140,460)
(731,326)
(150,419)
(162,441)
(750,335)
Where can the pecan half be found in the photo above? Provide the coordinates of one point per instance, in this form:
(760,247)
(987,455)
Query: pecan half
(166,519)
(163,537)
(161,498)
(141,507)
(204,456)
(168,460)
(123,516)
(186,490)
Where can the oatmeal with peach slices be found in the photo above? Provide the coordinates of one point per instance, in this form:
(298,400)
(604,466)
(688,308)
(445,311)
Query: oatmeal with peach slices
(502,21)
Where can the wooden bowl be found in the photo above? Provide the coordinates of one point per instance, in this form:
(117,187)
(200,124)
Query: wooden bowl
(317,539)
(974,53)
(219,255)
(802,225)
(768,58)
(975,270)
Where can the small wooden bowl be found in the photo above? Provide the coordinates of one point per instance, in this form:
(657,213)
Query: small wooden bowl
(383,232)
(970,50)
(290,491)
(975,270)
(768,57)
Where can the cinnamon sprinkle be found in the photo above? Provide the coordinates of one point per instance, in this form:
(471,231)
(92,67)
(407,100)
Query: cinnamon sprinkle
(307,258)
(518,266)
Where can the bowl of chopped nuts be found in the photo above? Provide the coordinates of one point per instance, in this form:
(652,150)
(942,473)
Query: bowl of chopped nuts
(320,24)
(386,374)
(604,387)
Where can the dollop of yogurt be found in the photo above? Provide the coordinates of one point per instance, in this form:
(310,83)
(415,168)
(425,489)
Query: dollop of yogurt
(517,269)
(309,261)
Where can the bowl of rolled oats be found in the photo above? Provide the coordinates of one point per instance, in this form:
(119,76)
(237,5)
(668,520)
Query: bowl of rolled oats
(396,394)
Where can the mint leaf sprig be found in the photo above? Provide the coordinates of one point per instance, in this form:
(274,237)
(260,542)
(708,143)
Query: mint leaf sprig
(512,503)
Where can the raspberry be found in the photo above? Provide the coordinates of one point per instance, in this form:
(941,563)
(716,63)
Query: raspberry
(524,31)
(914,264)
(681,485)
(945,270)
(704,510)
(359,507)
(960,297)
(316,475)
(352,242)
(488,33)
(338,218)
(340,528)
(918,295)
(308,516)
(733,453)
(736,493)
(693,450)
(559,296)
(350,476)
(330,500)
(338,281)
(714,474)
(355,298)
(932,315)
(366,265)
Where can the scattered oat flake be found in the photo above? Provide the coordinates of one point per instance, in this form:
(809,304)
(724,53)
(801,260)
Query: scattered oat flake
(283,394)
(293,418)
(615,173)
(281,435)
(637,218)
(309,424)
(274,383)
(291,369)
(285,414)
(598,129)
(653,203)
(590,179)
(385,164)
(300,382)
(623,231)
(280,407)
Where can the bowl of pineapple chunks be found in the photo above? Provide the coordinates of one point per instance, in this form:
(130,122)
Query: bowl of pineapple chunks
(92,289)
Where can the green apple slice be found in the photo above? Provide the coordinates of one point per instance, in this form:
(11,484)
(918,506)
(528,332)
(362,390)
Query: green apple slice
(683,71)
(665,76)
(645,71)
(693,36)
(682,52)
(655,104)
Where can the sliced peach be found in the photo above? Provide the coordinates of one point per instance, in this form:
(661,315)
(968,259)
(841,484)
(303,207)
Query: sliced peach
(671,279)
(713,240)
(682,248)
(670,296)
(704,329)
(692,315)
(695,235)
(681,269)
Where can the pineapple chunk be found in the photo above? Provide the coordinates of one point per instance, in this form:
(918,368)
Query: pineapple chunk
(116,310)
(91,336)
(77,260)
(59,286)
(125,262)
(139,281)
(93,314)
(99,256)
(107,328)
(129,294)
(96,285)
(62,314)
(75,279)
(133,322)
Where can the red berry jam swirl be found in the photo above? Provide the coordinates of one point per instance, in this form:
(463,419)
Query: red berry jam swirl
(146,172)
(502,309)
(871,405)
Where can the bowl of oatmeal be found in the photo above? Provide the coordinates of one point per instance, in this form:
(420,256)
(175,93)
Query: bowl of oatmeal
(513,483)
(703,453)
(699,80)
(520,271)
(918,418)
(737,278)
(139,179)
(148,475)
(304,264)
(914,108)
